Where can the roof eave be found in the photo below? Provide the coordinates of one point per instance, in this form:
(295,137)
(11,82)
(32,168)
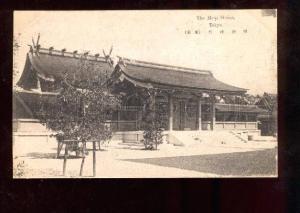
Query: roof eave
(169,86)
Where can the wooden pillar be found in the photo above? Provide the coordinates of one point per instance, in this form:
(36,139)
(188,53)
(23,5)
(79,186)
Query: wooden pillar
(170,97)
(38,84)
(152,100)
(118,120)
(199,115)
(140,115)
(213,113)
(136,120)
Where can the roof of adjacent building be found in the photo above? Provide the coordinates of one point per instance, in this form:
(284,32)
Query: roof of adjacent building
(268,101)
(52,64)
(239,108)
(172,76)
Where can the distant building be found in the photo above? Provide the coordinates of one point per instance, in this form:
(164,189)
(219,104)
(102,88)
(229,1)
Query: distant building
(268,118)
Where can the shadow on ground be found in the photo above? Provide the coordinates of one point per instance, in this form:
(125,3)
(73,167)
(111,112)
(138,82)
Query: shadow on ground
(262,162)
(39,155)
(137,148)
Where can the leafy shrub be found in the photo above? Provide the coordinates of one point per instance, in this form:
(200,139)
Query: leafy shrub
(153,123)
(19,168)
(80,110)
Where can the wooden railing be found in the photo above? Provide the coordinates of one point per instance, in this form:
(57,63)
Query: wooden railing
(122,125)
(131,108)
(229,125)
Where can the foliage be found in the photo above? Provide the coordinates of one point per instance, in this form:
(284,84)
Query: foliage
(246,99)
(152,125)
(19,168)
(16,47)
(80,110)
(251,99)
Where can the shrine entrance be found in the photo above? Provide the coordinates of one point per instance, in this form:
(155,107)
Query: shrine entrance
(185,115)
(179,115)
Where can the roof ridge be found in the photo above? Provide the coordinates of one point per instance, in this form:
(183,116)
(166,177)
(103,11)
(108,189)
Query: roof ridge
(62,53)
(75,54)
(166,66)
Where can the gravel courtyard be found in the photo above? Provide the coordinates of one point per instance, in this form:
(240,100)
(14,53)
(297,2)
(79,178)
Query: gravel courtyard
(118,160)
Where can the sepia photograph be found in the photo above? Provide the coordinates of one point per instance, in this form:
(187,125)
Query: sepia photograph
(145,94)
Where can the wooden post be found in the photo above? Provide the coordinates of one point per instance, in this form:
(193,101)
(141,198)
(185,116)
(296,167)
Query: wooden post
(213,112)
(83,158)
(199,115)
(139,113)
(118,120)
(94,158)
(38,84)
(170,112)
(152,100)
(59,146)
(65,159)
(81,166)
(136,120)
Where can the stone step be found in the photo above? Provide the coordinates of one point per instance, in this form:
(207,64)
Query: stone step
(188,138)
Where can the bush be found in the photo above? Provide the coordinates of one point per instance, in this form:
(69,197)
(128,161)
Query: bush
(152,125)
(19,168)
(80,113)
(152,138)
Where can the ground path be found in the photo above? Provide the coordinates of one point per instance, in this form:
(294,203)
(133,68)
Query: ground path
(119,160)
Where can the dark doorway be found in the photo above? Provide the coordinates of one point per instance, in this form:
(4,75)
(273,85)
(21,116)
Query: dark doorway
(179,115)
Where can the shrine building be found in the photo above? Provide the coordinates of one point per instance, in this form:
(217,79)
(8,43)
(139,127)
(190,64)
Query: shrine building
(192,99)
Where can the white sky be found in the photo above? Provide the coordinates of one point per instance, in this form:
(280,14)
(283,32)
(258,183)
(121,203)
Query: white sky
(247,60)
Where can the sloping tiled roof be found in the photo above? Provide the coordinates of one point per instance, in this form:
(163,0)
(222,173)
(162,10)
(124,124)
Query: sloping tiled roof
(175,77)
(52,65)
(239,108)
(57,65)
(268,101)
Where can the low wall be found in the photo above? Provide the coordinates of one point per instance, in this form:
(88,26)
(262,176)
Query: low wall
(230,125)
(33,130)
(129,136)
(30,130)
(135,136)
(28,125)
(236,125)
